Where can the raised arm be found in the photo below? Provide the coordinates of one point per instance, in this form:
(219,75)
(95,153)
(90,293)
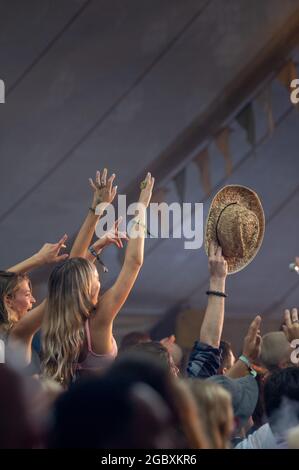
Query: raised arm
(49,253)
(111,302)
(103,194)
(212,325)
(24,330)
(251,350)
(112,237)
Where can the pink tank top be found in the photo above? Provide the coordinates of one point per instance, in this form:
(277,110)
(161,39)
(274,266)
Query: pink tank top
(96,362)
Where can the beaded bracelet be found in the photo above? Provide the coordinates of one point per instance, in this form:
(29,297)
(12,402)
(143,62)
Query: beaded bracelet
(217,293)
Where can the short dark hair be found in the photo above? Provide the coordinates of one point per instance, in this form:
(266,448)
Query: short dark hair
(153,349)
(135,337)
(280,385)
(225,350)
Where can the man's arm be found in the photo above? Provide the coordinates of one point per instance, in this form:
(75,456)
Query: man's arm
(212,325)
(251,350)
(204,359)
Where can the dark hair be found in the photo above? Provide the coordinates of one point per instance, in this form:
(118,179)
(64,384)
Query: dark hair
(135,337)
(155,350)
(104,409)
(225,351)
(281,385)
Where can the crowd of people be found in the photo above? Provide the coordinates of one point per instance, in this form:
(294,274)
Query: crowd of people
(142,395)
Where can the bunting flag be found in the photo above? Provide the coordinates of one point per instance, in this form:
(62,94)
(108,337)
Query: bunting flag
(265,101)
(287,74)
(246,119)
(180,183)
(203,164)
(222,142)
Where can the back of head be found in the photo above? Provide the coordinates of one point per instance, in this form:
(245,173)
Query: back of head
(154,350)
(133,338)
(276,351)
(105,413)
(215,409)
(281,396)
(227,357)
(244,392)
(68,307)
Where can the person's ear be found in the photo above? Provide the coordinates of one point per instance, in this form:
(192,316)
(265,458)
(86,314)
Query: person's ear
(224,371)
(7,300)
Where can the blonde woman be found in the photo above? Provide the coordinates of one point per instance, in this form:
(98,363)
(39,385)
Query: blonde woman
(215,411)
(18,320)
(78,325)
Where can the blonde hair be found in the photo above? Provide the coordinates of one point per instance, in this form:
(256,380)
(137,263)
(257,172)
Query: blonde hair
(9,284)
(215,410)
(68,307)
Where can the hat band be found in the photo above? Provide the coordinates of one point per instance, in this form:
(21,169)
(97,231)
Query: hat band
(231,204)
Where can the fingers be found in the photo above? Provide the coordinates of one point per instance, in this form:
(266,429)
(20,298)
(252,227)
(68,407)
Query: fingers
(287,318)
(286,332)
(218,253)
(98,178)
(92,184)
(62,257)
(212,249)
(113,192)
(62,240)
(254,327)
(294,315)
(152,182)
(104,177)
(110,181)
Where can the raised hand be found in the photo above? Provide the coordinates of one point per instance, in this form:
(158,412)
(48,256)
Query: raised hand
(146,190)
(253,340)
(217,263)
(113,236)
(291,324)
(104,191)
(49,253)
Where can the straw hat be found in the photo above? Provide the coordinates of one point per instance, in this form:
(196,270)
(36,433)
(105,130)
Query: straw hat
(236,222)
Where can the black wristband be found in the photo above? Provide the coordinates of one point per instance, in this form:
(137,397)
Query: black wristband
(216,292)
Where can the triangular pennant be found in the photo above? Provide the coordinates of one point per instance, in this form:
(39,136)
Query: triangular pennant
(203,164)
(265,101)
(180,182)
(222,142)
(246,119)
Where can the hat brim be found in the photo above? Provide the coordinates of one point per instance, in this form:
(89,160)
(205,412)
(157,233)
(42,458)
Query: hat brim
(245,197)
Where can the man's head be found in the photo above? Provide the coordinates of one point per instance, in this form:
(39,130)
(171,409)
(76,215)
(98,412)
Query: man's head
(276,351)
(281,396)
(133,338)
(227,357)
(244,393)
